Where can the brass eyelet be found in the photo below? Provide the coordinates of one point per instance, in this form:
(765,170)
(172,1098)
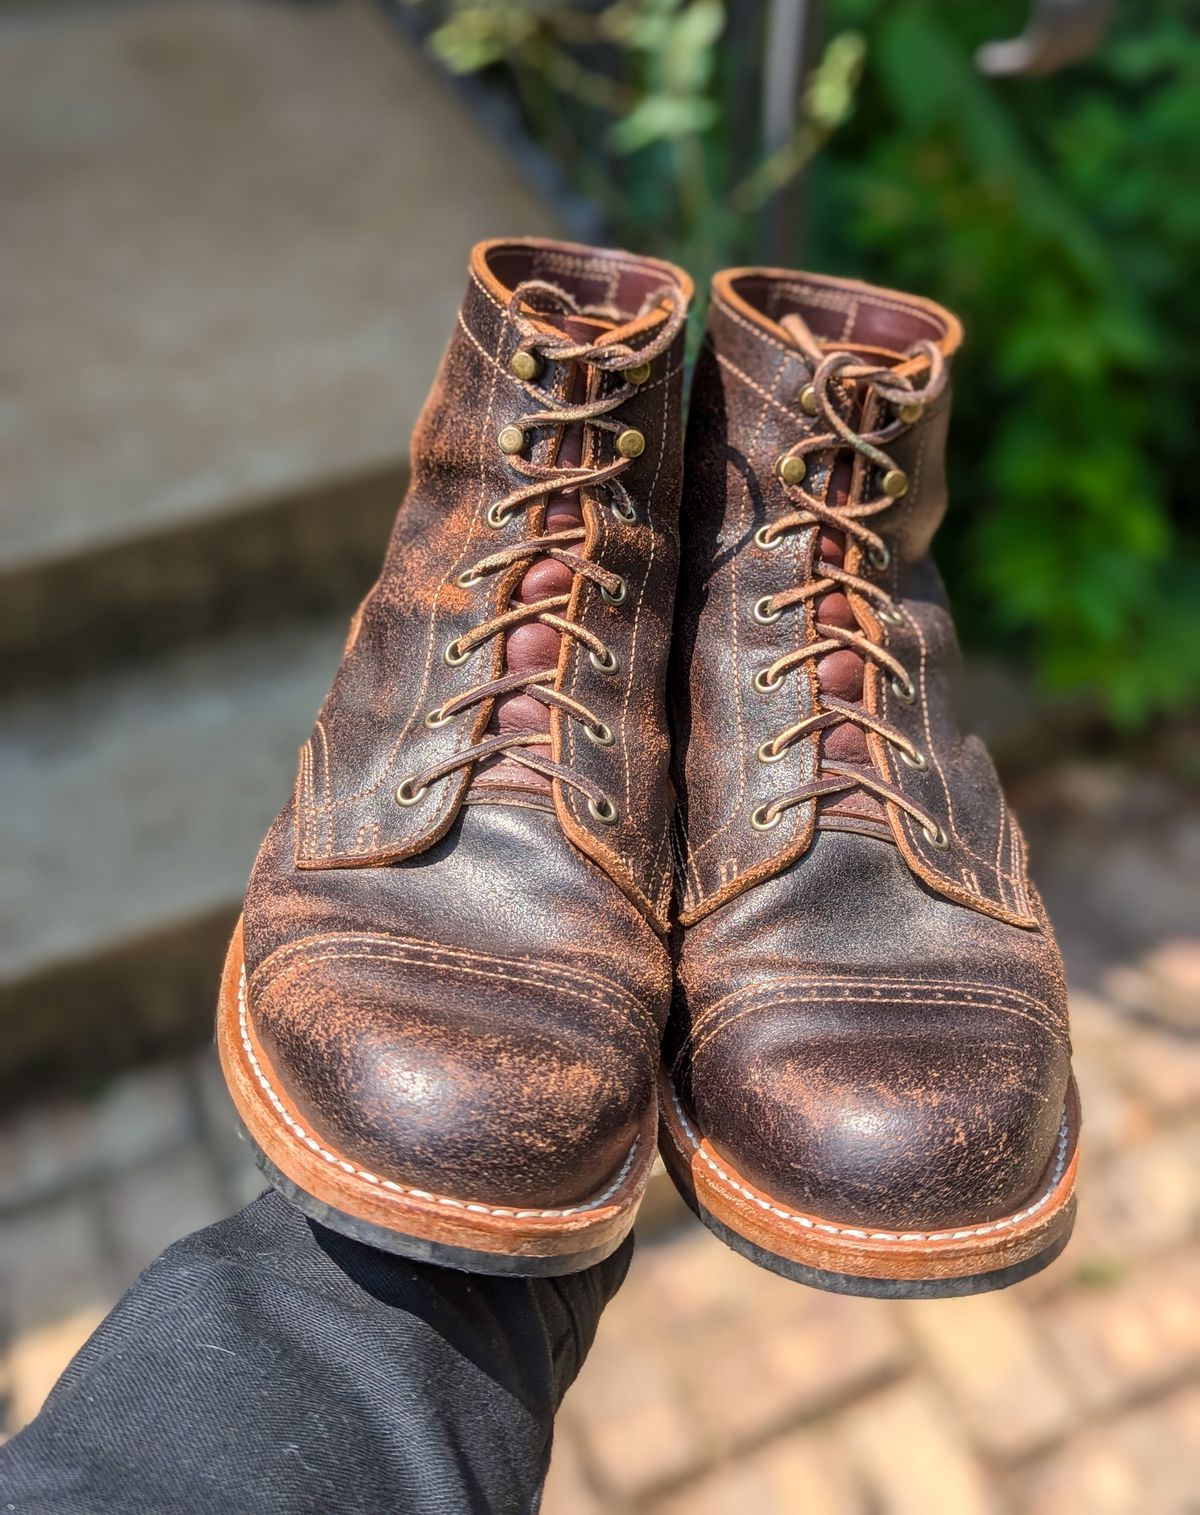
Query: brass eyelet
(910,412)
(879,555)
(768,543)
(904,691)
(608,664)
(760,613)
(605,812)
(496,517)
(631,443)
(762,820)
(601,734)
(764,683)
(510,440)
(407,795)
(468,579)
(526,365)
(790,469)
(618,595)
(914,759)
(895,483)
(454,655)
(638,374)
(890,615)
(936,837)
(808,400)
(627,515)
(766,754)
(435,718)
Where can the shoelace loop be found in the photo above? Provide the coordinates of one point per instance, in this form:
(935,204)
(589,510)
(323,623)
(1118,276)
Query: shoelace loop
(903,402)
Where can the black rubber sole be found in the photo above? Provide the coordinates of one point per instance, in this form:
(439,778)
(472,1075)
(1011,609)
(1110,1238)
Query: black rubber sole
(442,1254)
(878,1288)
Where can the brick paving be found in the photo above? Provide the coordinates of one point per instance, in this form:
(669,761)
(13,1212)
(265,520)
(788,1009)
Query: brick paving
(715,1387)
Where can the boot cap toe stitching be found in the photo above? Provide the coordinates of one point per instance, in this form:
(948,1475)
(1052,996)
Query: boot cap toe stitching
(575,981)
(716,1019)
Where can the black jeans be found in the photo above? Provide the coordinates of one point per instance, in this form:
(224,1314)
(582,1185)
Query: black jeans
(267,1366)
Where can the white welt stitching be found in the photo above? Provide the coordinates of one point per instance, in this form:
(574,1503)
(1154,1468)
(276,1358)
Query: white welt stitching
(1060,1163)
(387,1183)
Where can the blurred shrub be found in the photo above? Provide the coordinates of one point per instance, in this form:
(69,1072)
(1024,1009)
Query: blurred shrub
(1060,217)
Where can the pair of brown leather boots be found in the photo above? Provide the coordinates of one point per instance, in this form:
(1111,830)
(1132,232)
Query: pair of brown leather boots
(519,924)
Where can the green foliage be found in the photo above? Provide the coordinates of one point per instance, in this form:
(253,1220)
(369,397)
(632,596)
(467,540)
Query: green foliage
(1059,217)
(678,50)
(827,103)
(641,101)
(476,35)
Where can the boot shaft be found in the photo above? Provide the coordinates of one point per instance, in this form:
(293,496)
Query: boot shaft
(816,661)
(564,360)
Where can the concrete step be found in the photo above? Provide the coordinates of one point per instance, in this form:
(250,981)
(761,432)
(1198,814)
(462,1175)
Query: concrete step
(134,806)
(239,235)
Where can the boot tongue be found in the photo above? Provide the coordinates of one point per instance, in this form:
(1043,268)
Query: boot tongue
(534,647)
(842,673)
(815,348)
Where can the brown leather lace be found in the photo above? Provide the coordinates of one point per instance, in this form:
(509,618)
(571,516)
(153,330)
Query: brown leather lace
(852,519)
(594,484)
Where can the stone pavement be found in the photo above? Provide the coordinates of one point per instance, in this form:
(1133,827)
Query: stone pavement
(716,1388)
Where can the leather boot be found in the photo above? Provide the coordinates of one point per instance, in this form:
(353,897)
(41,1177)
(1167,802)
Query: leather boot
(867,1072)
(442,1010)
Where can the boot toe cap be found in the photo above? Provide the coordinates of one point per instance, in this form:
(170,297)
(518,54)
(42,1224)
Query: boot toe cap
(441,1072)
(918,1120)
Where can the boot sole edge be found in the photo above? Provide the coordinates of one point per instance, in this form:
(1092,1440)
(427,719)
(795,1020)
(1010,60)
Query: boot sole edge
(855,1260)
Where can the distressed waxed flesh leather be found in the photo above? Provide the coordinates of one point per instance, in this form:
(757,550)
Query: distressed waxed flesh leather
(462,986)
(870,1018)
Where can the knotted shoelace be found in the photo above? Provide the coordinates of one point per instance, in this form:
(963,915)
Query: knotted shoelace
(594,484)
(903,401)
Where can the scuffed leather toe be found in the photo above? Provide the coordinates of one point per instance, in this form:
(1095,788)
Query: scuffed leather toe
(892,1118)
(450,1071)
